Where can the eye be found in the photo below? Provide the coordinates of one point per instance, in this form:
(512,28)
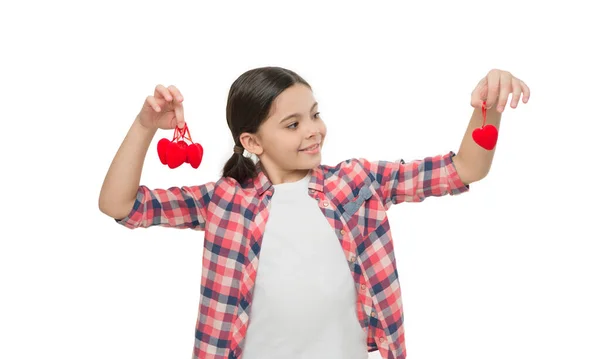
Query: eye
(294,125)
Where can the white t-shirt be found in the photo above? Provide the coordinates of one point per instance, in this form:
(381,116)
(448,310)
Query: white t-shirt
(304,300)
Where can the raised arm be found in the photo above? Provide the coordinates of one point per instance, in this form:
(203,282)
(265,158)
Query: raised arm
(176,207)
(120,187)
(414,181)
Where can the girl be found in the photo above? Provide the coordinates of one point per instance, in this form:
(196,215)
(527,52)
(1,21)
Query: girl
(327,284)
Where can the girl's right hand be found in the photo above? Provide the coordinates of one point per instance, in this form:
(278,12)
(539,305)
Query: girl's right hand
(164,110)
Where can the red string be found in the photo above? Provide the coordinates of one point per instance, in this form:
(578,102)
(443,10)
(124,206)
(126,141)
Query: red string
(180,133)
(483,110)
(187,130)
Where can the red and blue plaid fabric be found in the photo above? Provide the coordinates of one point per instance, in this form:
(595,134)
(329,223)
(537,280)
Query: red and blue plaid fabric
(354,196)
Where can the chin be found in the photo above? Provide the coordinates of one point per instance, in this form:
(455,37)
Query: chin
(314,162)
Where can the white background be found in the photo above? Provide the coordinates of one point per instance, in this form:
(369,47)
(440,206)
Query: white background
(508,270)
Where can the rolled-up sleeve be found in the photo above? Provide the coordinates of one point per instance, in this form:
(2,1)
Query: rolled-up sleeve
(178,207)
(414,181)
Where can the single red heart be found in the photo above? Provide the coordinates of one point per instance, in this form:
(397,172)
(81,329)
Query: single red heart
(162,150)
(486,136)
(194,154)
(175,155)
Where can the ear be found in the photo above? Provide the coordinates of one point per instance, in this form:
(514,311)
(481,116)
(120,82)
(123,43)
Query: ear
(251,143)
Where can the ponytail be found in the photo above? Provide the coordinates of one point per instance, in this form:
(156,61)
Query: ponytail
(248,106)
(239,167)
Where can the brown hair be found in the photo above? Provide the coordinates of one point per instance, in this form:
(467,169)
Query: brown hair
(248,106)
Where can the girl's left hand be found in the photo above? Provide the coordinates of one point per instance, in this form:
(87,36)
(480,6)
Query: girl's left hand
(494,89)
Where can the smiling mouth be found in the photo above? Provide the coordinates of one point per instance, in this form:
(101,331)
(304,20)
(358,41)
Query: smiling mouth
(313,147)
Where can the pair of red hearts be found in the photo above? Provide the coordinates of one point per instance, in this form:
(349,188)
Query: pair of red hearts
(176,152)
(487,135)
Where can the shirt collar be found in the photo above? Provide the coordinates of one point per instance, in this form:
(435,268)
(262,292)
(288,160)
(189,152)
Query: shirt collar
(262,183)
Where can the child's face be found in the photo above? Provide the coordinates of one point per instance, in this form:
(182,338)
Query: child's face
(282,140)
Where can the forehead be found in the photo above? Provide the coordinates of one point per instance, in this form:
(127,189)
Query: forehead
(295,99)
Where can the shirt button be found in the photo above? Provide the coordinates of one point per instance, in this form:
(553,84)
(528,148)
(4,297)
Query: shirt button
(312,191)
(363,287)
(373,314)
(381,339)
(342,232)
(325,204)
(352,259)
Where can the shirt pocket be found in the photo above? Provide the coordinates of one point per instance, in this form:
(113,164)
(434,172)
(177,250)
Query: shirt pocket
(362,212)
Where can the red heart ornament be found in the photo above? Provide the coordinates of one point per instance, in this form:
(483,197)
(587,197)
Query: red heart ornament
(183,145)
(176,152)
(175,155)
(194,154)
(486,136)
(162,150)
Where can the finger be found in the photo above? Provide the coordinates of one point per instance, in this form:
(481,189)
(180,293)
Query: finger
(493,81)
(516,95)
(478,94)
(176,93)
(153,103)
(526,91)
(161,92)
(505,90)
(179,115)
(476,98)
(482,90)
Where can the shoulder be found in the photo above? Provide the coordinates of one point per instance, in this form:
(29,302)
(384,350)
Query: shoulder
(227,184)
(229,188)
(350,171)
(349,166)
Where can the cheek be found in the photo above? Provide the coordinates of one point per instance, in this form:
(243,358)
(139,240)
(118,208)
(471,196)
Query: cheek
(288,145)
(323,129)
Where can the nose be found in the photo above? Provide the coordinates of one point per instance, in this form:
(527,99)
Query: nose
(314,135)
(313,131)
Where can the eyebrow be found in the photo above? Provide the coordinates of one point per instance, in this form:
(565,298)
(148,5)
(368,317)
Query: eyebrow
(297,114)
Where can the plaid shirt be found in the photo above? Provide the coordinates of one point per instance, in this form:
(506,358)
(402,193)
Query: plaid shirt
(354,196)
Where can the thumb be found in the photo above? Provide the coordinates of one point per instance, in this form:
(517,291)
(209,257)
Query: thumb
(478,97)
(480,93)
